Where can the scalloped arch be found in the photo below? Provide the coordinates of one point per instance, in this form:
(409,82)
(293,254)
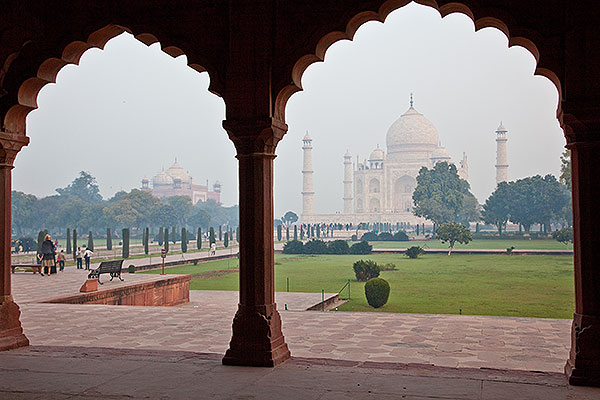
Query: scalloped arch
(384,10)
(16,116)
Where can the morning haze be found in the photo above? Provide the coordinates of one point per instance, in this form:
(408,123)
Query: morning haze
(125,112)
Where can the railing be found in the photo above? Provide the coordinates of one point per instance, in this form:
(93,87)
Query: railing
(347,285)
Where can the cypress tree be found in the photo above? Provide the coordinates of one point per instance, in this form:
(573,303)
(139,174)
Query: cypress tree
(41,236)
(69,248)
(301,233)
(220,233)
(167,240)
(237,234)
(211,236)
(279,233)
(226,240)
(184,240)
(199,239)
(74,242)
(146,240)
(90,241)
(161,235)
(125,243)
(108,239)
(417,229)
(174,234)
(318,231)
(287,233)
(295,232)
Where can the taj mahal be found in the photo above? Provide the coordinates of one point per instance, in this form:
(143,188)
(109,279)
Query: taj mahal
(380,188)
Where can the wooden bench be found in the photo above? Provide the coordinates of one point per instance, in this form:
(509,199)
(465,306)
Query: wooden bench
(108,267)
(35,267)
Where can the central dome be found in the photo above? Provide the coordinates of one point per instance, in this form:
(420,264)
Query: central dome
(175,171)
(412,128)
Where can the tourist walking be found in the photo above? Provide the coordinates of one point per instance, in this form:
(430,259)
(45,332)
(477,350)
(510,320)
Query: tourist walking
(213,249)
(46,256)
(79,258)
(61,260)
(87,255)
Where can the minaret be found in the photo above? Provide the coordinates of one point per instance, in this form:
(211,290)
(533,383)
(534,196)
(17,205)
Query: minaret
(347,183)
(463,171)
(308,191)
(501,159)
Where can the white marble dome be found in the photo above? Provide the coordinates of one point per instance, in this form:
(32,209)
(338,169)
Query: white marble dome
(412,128)
(162,179)
(377,155)
(441,154)
(175,171)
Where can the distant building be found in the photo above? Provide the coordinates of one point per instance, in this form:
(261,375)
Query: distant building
(175,181)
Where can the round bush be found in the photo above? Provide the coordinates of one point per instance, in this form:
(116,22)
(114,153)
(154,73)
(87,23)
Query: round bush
(338,247)
(365,270)
(131,269)
(377,292)
(293,247)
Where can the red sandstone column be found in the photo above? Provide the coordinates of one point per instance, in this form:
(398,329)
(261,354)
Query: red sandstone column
(11,333)
(583,366)
(257,339)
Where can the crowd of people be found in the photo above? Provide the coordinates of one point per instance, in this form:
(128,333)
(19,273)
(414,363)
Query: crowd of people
(50,257)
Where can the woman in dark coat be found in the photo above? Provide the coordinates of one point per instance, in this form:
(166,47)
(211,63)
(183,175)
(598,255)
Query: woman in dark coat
(47,256)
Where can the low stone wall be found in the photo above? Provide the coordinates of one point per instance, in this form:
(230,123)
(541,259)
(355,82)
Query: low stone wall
(170,291)
(175,263)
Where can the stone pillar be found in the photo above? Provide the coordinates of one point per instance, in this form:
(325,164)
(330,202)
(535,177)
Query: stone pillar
(308,190)
(501,158)
(347,183)
(257,338)
(11,333)
(583,366)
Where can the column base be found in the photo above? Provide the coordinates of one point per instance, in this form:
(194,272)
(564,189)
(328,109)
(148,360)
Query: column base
(11,332)
(257,339)
(583,365)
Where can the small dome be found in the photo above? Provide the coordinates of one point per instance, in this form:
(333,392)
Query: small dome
(377,155)
(412,128)
(145,180)
(440,154)
(162,179)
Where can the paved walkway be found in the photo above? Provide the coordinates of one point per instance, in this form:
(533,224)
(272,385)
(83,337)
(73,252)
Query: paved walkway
(91,373)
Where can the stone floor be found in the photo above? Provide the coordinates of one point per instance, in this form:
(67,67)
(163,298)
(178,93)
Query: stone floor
(101,373)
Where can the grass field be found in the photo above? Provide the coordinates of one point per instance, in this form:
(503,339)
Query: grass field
(520,286)
(480,244)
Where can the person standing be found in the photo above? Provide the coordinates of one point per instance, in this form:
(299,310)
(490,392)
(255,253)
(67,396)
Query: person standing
(87,256)
(61,260)
(79,258)
(46,256)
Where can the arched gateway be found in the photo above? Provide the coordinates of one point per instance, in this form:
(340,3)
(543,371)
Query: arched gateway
(256,53)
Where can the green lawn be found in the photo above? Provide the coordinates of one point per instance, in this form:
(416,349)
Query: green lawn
(480,244)
(521,286)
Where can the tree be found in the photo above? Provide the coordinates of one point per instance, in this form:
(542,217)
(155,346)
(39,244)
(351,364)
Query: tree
(295,232)
(440,194)
(182,206)
(24,212)
(287,233)
(564,235)
(289,218)
(163,215)
(199,239)
(183,240)
(108,239)
(166,240)
(146,240)
(211,236)
(199,218)
(84,188)
(565,169)
(453,232)
(125,237)
(279,233)
(226,239)
(69,248)
(496,210)
(161,235)
(74,243)
(40,240)
(90,244)
(220,233)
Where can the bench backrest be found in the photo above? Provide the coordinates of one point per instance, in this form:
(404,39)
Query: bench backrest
(110,266)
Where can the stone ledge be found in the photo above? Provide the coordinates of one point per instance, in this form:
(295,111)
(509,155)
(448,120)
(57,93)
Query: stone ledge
(169,291)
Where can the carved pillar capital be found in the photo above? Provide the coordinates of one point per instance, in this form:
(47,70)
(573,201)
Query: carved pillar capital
(255,135)
(10,145)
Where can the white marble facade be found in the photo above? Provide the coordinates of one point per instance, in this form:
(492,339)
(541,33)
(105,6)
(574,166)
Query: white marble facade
(382,185)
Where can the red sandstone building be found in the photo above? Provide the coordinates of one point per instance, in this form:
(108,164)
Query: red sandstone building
(176,181)
(255,52)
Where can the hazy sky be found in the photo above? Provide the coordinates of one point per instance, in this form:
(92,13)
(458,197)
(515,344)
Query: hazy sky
(127,111)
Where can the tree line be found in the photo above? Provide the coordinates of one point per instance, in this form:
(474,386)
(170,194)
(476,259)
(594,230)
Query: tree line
(80,205)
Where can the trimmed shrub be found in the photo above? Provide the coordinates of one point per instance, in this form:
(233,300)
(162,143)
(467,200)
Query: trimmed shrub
(279,233)
(315,246)
(338,247)
(354,238)
(414,251)
(293,247)
(385,237)
(108,239)
(90,241)
(220,232)
(400,236)
(183,240)
(125,242)
(131,269)
(166,240)
(287,233)
(389,267)
(199,239)
(211,236)
(361,248)
(69,248)
(365,270)
(74,243)
(369,237)
(146,240)
(377,292)
(295,232)
(226,239)
(40,240)
(161,236)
